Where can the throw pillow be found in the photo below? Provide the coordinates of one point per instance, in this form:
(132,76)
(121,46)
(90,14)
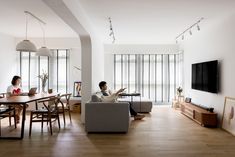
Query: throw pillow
(95,98)
(111,98)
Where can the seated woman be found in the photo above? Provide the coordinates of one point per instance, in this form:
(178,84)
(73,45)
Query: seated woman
(14,90)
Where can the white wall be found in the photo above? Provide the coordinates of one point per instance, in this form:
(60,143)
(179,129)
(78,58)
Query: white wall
(97,55)
(97,63)
(110,49)
(8,61)
(73,44)
(72,13)
(215,41)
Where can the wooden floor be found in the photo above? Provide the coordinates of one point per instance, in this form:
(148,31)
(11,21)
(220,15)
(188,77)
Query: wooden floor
(164,132)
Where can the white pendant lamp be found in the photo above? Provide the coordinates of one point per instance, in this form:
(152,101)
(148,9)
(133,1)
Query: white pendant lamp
(43,51)
(26,45)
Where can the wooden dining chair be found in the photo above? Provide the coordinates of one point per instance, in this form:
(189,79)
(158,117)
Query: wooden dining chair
(7,112)
(48,113)
(65,106)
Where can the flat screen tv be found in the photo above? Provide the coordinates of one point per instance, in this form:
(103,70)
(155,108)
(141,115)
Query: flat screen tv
(205,76)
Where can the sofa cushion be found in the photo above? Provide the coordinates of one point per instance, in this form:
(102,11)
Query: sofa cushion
(139,104)
(95,98)
(107,117)
(110,98)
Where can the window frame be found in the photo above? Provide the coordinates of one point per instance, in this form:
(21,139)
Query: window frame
(57,51)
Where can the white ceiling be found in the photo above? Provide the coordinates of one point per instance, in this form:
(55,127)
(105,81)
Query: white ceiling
(151,21)
(134,21)
(13,19)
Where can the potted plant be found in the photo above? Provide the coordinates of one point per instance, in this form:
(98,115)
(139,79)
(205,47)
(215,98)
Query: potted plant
(179,91)
(44,78)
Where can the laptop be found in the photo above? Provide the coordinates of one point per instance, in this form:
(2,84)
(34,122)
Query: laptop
(31,92)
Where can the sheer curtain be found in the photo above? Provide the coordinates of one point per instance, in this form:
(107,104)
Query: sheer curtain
(31,66)
(155,76)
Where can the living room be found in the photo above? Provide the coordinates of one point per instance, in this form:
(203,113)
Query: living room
(97,48)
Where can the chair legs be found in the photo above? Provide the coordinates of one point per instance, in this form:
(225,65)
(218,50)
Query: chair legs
(63,113)
(49,119)
(14,116)
(58,118)
(30,123)
(9,118)
(45,118)
(0,128)
(9,115)
(69,114)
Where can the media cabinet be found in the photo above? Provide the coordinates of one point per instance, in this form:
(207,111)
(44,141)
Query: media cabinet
(199,114)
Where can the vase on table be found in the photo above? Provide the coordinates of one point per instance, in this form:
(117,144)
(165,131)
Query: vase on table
(44,78)
(44,81)
(43,89)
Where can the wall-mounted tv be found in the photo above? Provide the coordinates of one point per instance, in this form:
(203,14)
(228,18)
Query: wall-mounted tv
(205,76)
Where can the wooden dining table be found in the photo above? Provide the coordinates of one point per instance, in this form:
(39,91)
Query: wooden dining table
(24,101)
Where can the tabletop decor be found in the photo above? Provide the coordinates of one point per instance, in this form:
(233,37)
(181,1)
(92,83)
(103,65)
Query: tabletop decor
(44,78)
(179,91)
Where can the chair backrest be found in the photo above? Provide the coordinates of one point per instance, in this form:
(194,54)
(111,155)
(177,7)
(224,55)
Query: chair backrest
(50,104)
(3,95)
(66,96)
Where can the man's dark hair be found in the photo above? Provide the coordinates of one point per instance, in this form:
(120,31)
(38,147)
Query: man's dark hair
(102,84)
(14,79)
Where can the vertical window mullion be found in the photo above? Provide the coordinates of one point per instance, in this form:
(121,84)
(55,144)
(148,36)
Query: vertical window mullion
(162,75)
(149,79)
(29,71)
(174,74)
(136,74)
(39,72)
(114,79)
(168,78)
(66,60)
(57,68)
(48,71)
(155,78)
(20,64)
(128,65)
(121,71)
(143,75)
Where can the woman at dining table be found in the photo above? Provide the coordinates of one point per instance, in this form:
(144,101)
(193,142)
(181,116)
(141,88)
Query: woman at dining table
(15,90)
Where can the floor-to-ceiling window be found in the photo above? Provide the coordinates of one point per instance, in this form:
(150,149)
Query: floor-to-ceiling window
(56,66)
(155,76)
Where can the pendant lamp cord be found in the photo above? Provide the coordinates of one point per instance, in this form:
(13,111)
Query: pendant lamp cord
(40,23)
(26,27)
(43,33)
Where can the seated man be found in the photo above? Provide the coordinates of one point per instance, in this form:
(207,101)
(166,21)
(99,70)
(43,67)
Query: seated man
(111,97)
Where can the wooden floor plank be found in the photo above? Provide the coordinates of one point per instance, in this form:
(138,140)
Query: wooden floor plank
(164,132)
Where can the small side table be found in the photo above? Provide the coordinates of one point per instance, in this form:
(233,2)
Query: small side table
(132,95)
(177,101)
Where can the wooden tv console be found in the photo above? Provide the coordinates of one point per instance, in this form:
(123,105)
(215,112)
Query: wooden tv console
(199,114)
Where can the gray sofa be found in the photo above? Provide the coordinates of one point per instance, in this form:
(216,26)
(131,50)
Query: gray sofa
(141,105)
(107,117)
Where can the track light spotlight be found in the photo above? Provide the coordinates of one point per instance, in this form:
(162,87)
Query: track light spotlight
(111,30)
(189,29)
(190,32)
(198,27)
